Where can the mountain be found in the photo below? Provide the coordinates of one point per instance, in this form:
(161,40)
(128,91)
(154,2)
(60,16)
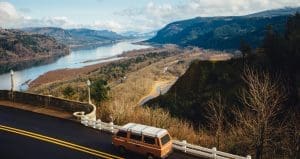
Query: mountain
(223,33)
(19,49)
(77,38)
(134,34)
(95,34)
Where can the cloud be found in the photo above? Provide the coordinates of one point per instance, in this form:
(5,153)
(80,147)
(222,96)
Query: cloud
(151,16)
(8,14)
(10,17)
(109,25)
(156,15)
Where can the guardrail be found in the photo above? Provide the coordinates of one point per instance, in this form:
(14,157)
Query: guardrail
(177,145)
(203,151)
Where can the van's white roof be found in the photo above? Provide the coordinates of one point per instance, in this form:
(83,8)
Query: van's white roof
(144,129)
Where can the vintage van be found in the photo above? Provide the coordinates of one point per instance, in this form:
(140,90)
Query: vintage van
(147,140)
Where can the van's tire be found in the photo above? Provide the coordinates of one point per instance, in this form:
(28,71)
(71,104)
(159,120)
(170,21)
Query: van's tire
(122,149)
(150,156)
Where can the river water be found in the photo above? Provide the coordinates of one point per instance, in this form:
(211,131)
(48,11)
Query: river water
(75,59)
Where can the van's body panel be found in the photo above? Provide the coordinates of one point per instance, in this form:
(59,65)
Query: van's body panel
(144,142)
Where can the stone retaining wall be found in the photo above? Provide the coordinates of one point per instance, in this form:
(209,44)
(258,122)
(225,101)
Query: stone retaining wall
(42,100)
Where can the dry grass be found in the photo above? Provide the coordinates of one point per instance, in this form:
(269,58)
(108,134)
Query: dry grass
(123,107)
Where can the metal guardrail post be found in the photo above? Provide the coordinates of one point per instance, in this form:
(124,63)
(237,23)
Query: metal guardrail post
(98,123)
(84,121)
(111,127)
(90,122)
(214,149)
(94,123)
(184,145)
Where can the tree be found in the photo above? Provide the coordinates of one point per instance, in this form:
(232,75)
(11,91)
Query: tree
(216,117)
(245,49)
(263,99)
(68,92)
(99,91)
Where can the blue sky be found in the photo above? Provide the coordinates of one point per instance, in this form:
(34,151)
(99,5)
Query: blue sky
(123,15)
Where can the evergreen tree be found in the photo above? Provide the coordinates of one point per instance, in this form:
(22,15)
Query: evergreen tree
(99,91)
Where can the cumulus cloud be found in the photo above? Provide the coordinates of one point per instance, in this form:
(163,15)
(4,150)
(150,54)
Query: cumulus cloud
(155,15)
(8,14)
(10,17)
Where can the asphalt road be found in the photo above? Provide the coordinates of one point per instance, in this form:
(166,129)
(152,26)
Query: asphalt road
(59,138)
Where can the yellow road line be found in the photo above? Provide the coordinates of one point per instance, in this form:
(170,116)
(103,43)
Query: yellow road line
(58,142)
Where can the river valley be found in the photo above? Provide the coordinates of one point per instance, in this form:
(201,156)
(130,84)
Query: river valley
(76,59)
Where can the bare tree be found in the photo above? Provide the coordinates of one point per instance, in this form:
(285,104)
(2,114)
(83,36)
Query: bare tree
(262,99)
(216,117)
(291,144)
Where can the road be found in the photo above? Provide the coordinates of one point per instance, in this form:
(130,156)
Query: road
(160,87)
(25,134)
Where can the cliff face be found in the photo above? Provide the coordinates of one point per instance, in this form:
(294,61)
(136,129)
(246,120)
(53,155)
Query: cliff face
(19,50)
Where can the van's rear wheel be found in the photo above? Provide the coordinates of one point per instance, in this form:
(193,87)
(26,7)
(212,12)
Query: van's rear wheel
(150,156)
(122,149)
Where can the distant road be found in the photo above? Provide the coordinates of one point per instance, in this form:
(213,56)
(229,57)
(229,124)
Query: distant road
(25,134)
(160,87)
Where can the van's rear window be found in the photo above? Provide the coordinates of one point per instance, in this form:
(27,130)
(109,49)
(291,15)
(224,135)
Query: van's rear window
(165,139)
(122,134)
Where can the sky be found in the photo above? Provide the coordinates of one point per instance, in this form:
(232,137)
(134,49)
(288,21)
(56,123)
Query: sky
(123,15)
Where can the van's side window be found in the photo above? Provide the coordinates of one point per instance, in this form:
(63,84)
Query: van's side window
(149,140)
(136,137)
(122,134)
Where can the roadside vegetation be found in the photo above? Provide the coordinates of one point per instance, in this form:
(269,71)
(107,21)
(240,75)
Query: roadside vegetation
(248,105)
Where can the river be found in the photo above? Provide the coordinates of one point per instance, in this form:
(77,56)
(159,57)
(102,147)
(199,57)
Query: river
(75,59)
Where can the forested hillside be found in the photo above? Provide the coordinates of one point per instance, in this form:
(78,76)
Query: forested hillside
(255,97)
(223,33)
(19,50)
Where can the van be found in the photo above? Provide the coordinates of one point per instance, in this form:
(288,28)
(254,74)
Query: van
(147,140)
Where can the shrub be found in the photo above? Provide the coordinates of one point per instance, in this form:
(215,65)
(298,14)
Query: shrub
(68,92)
(99,91)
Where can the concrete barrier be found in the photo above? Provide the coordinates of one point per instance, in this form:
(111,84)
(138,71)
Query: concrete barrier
(88,110)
